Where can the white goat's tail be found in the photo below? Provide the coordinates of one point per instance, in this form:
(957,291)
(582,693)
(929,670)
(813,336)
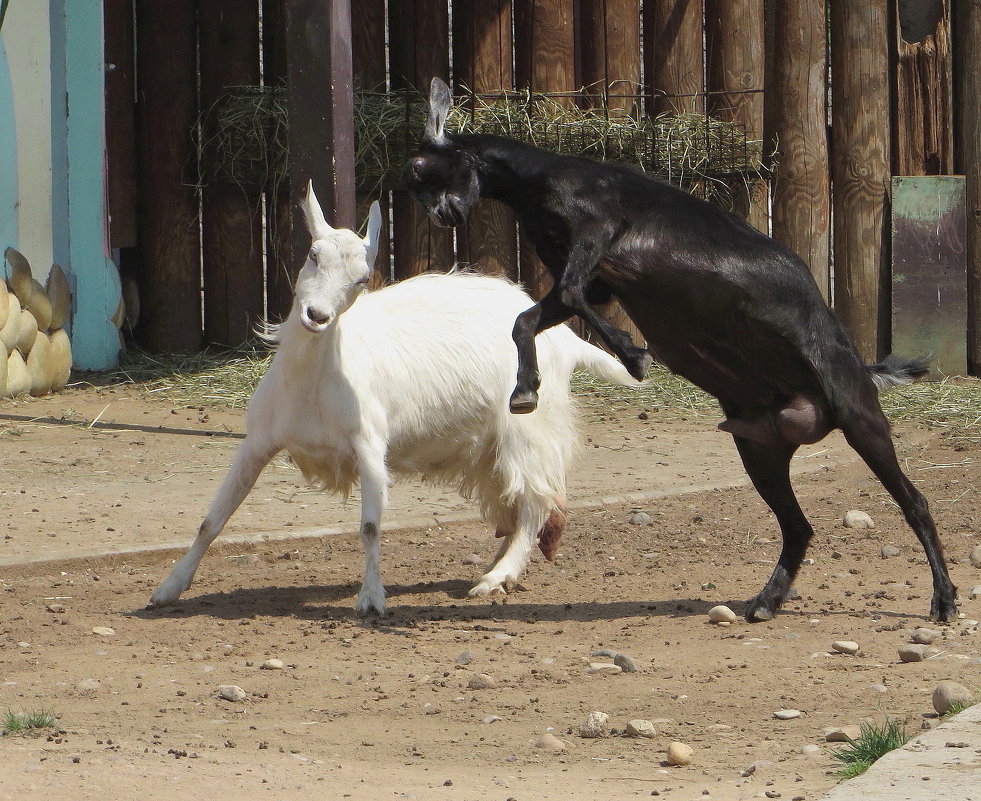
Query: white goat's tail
(602,365)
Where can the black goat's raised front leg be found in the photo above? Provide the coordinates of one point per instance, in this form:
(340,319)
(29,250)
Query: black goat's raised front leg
(548,312)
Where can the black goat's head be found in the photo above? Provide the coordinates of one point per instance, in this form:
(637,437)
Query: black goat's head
(442,175)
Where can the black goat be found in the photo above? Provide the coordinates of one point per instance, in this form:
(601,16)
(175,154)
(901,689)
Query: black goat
(730,309)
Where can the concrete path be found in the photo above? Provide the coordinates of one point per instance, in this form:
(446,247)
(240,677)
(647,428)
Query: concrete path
(943,764)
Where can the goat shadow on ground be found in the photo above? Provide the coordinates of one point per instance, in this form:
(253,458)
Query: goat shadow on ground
(336,602)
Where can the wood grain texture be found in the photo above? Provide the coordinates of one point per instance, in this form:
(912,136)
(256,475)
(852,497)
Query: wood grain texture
(482,57)
(967,23)
(860,143)
(609,42)
(232,266)
(798,121)
(121,173)
(419,49)
(673,56)
(170,284)
(735,69)
(368,44)
(923,128)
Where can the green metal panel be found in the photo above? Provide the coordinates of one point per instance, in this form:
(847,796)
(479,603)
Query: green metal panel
(929,270)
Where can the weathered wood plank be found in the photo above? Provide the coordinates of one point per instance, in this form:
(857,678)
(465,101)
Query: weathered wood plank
(170,282)
(797,104)
(673,56)
(860,132)
(121,172)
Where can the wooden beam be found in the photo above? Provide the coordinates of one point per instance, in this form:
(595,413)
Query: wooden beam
(170,282)
(967,23)
(121,172)
(231,214)
(609,38)
(860,132)
(797,103)
(673,56)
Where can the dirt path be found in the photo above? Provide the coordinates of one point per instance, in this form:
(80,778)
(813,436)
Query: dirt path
(384,709)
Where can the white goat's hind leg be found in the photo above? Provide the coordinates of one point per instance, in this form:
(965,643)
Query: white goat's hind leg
(511,559)
(374,498)
(249,461)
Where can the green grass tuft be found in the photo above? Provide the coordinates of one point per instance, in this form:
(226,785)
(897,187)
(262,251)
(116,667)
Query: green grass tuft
(873,742)
(28,722)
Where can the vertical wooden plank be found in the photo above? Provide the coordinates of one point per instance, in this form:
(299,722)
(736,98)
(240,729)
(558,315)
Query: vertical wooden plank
(929,304)
(231,215)
(320,92)
(860,133)
(923,114)
(735,65)
(609,40)
(121,187)
(673,56)
(368,26)
(170,283)
(967,23)
(797,111)
(419,50)
(482,53)
(8,158)
(544,34)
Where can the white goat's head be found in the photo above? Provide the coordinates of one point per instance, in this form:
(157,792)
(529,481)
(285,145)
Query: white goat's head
(337,268)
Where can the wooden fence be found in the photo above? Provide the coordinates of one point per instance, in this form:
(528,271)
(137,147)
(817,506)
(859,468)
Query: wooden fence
(210,257)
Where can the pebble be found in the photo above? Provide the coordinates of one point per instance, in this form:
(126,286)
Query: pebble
(976,556)
(87,685)
(549,742)
(923,636)
(855,518)
(607,652)
(55,609)
(912,653)
(809,749)
(492,719)
(975,592)
(464,658)
(272,664)
(595,725)
(889,551)
(639,518)
(721,614)
(641,728)
(625,663)
(680,754)
(606,668)
(842,734)
(845,647)
(879,688)
(949,694)
(103,631)
(472,559)
(787,714)
(231,692)
(482,681)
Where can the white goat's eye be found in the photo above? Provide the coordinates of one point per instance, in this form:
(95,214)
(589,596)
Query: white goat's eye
(361,282)
(313,254)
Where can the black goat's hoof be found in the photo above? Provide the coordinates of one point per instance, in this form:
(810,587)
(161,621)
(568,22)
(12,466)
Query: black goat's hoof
(523,402)
(943,611)
(638,363)
(757,611)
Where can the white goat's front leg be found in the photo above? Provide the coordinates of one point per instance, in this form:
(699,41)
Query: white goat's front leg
(251,457)
(511,559)
(374,499)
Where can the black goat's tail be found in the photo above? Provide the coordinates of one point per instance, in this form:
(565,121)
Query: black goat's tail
(894,371)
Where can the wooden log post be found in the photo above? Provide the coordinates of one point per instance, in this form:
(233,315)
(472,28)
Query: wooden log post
(170,281)
(121,171)
(544,35)
(860,134)
(797,114)
(419,48)
(482,54)
(231,213)
(923,115)
(368,25)
(320,92)
(673,56)
(734,51)
(967,23)
(609,37)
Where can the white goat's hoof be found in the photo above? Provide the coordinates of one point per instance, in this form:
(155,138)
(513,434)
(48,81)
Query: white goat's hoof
(368,604)
(169,591)
(489,586)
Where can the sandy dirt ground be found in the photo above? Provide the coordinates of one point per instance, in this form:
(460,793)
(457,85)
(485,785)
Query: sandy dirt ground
(401,707)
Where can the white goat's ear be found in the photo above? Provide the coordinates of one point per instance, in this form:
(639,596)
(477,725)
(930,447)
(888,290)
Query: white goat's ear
(316,222)
(439,108)
(374,231)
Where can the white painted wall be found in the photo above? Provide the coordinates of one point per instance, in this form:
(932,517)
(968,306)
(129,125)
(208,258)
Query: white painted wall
(27,40)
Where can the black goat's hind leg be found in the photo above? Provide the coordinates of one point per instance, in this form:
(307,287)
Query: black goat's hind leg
(769,469)
(544,314)
(868,433)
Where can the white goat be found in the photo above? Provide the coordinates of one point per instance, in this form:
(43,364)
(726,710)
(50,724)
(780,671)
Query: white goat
(410,379)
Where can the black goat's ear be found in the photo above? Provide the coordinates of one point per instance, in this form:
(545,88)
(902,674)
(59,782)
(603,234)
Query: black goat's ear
(439,108)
